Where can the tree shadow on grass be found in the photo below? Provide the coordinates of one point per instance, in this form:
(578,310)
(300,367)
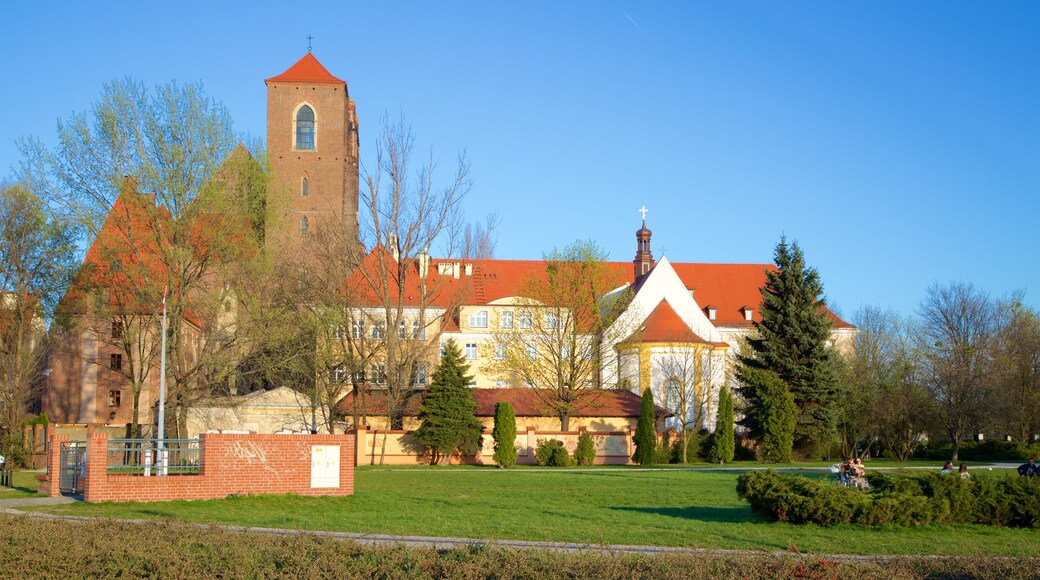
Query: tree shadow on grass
(702,513)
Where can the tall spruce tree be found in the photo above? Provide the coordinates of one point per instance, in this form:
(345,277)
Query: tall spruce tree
(791,342)
(449,423)
(646,434)
(722,442)
(504,434)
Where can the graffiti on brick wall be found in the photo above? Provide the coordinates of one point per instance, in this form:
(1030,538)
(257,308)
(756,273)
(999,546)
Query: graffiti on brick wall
(249,452)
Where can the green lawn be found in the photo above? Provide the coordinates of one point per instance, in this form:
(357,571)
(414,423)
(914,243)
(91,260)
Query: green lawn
(665,507)
(24,486)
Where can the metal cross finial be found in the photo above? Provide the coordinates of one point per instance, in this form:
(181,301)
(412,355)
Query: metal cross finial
(643,211)
(309,39)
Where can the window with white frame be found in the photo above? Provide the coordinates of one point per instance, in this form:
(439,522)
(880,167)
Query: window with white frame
(478,319)
(338,374)
(500,351)
(378,330)
(565,352)
(531,351)
(419,373)
(357,328)
(525,319)
(471,350)
(379,374)
(505,320)
(402,330)
(550,319)
(501,384)
(418,330)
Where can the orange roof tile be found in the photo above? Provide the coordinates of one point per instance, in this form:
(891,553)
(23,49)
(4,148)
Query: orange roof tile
(306,70)
(664,325)
(727,287)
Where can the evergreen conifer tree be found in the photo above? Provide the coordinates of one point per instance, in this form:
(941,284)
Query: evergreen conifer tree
(792,340)
(646,434)
(771,415)
(585,452)
(504,435)
(722,442)
(449,423)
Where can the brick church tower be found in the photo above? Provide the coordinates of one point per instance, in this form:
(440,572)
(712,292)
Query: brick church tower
(312,143)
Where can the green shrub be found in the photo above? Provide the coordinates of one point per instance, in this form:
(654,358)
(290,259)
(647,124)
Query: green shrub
(694,447)
(585,452)
(663,451)
(899,499)
(551,453)
(722,441)
(504,435)
(12,447)
(646,434)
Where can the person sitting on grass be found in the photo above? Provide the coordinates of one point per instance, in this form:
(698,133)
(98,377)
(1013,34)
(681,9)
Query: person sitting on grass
(1030,469)
(963,471)
(947,468)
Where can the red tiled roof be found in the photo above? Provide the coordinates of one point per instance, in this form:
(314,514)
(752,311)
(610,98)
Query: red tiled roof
(664,325)
(306,70)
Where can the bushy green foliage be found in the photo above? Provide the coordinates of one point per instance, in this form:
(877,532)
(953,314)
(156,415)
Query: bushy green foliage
(696,447)
(792,342)
(990,450)
(552,453)
(901,499)
(12,447)
(504,434)
(177,550)
(585,452)
(40,419)
(663,453)
(722,441)
(449,423)
(646,434)
(772,415)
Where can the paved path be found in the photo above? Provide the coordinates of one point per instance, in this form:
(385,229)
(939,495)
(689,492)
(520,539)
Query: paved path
(6,504)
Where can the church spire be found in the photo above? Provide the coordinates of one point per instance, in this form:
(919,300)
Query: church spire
(644,258)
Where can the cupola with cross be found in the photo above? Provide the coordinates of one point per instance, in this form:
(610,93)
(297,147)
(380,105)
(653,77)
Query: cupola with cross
(644,260)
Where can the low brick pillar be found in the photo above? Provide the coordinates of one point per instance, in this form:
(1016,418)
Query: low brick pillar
(361,455)
(38,439)
(49,483)
(97,465)
(532,443)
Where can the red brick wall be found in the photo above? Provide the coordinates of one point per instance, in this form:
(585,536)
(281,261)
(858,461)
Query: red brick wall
(231,464)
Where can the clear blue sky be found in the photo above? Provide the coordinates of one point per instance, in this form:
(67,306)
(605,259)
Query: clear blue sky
(896,142)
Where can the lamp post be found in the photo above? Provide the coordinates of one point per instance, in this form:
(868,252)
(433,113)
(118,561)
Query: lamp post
(160,447)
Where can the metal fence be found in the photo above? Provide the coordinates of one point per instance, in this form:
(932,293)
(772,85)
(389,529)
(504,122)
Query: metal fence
(146,457)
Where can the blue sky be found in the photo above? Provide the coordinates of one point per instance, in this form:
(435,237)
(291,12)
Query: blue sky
(897,142)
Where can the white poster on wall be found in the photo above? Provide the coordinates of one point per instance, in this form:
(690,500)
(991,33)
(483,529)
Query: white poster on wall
(324,466)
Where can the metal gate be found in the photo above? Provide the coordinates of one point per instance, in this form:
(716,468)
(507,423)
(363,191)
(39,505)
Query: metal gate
(71,466)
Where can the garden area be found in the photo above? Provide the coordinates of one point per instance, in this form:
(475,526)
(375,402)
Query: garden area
(663,506)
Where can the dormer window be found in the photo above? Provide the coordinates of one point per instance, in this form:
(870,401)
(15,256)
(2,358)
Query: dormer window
(712,312)
(305,129)
(749,312)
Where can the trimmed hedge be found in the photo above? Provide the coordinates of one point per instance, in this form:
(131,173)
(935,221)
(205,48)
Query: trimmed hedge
(900,499)
(552,453)
(981,451)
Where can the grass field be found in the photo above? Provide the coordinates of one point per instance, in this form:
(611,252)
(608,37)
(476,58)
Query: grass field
(664,507)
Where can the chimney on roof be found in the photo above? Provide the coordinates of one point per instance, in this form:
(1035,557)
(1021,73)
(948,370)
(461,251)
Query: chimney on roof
(129,184)
(391,243)
(424,263)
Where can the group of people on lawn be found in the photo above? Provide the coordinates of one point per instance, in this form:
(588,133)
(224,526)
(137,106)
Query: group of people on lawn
(851,472)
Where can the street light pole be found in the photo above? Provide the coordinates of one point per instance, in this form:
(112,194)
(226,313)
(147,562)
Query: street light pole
(160,462)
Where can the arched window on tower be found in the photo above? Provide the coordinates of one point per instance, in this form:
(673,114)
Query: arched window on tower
(304,226)
(305,129)
(305,187)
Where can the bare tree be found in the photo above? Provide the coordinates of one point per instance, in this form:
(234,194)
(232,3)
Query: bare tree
(173,139)
(1016,371)
(691,375)
(36,257)
(958,330)
(406,214)
(559,323)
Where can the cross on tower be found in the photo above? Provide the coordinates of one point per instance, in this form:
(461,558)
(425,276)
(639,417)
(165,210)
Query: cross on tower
(643,211)
(309,39)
